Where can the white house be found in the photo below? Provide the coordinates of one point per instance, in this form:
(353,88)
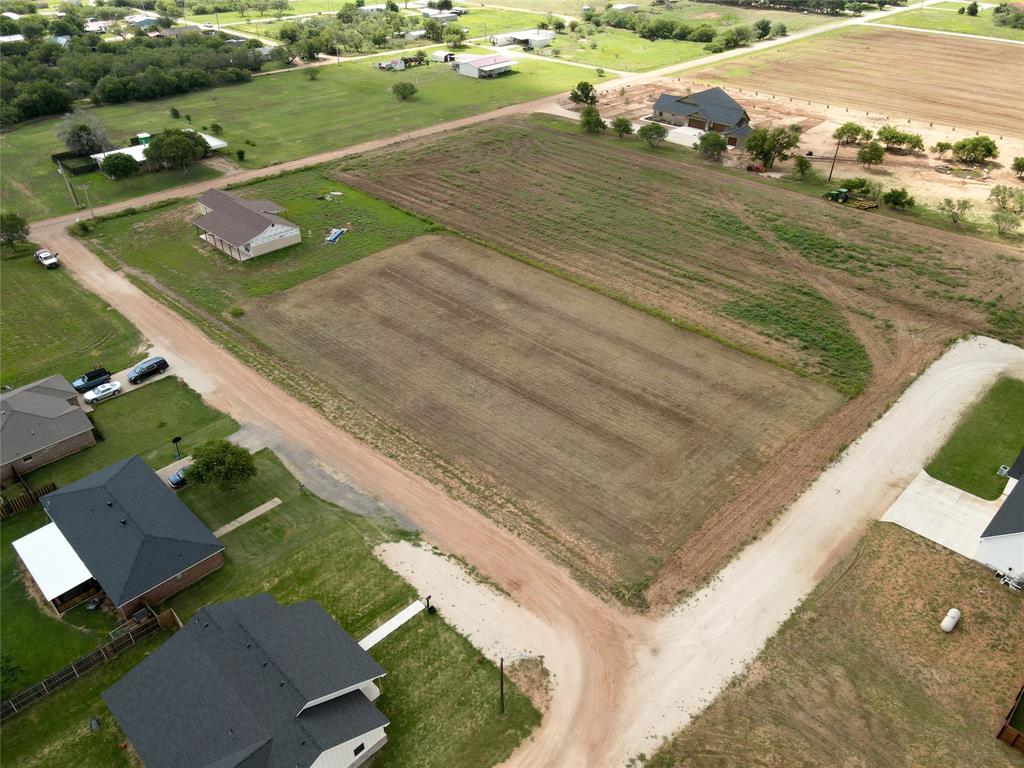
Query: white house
(97,25)
(625,7)
(11,39)
(483,66)
(376,8)
(11,15)
(253,683)
(1001,546)
(242,228)
(137,151)
(534,38)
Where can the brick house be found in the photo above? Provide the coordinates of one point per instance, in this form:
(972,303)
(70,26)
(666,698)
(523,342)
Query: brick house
(120,531)
(39,424)
(709,110)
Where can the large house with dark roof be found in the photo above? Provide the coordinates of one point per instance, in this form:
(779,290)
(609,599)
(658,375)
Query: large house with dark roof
(40,423)
(1001,546)
(120,531)
(709,110)
(243,228)
(253,684)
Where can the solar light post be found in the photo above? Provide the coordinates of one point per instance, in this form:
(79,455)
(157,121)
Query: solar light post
(177,450)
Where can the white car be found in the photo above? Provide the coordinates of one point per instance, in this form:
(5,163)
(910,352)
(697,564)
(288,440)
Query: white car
(47,259)
(103,392)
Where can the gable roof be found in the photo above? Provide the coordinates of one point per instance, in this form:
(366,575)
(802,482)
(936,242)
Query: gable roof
(1010,517)
(488,62)
(1017,470)
(129,528)
(236,220)
(228,689)
(714,104)
(37,416)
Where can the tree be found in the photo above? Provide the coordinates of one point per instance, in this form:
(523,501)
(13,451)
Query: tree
(763,28)
(434,31)
(82,133)
(871,153)
(898,198)
(851,133)
(955,209)
(941,147)
(1005,222)
(801,166)
(590,119)
(175,148)
(558,25)
(404,91)
(175,113)
(221,463)
(972,8)
(119,166)
(622,126)
(779,29)
(654,134)
(1001,197)
(583,93)
(454,35)
(1018,166)
(312,73)
(975,149)
(894,138)
(13,228)
(711,145)
(771,144)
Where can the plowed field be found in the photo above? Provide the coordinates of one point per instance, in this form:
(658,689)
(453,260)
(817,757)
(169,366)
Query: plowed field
(616,433)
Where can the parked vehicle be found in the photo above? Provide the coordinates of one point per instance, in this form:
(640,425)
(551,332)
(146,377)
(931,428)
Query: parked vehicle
(47,259)
(103,392)
(146,369)
(179,479)
(91,380)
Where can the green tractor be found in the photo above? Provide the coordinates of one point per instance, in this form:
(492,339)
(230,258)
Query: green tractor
(840,195)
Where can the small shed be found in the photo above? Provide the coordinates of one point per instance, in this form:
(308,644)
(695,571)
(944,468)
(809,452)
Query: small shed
(442,56)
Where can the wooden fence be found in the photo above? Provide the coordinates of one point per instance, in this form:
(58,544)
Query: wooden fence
(11,507)
(1007,732)
(121,643)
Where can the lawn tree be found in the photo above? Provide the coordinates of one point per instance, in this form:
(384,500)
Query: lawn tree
(221,463)
(583,93)
(1018,166)
(312,73)
(654,134)
(1006,222)
(1001,197)
(174,148)
(851,133)
(454,36)
(433,30)
(590,119)
(558,25)
(711,145)
(898,198)
(13,228)
(404,91)
(972,8)
(802,166)
(119,166)
(763,28)
(976,149)
(779,29)
(940,148)
(82,133)
(871,153)
(771,144)
(956,209)
(622,126)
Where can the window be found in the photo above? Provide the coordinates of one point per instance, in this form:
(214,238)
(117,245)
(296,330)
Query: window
(358,749)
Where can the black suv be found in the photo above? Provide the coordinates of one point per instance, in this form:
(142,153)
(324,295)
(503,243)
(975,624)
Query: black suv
(91,380)
(147,368)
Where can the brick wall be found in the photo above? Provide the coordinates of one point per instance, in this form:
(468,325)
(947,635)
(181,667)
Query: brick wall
(172,586)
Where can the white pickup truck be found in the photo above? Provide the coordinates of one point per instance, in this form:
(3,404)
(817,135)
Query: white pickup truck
(47,259)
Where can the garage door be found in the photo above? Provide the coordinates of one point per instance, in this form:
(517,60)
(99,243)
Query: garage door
(696,122)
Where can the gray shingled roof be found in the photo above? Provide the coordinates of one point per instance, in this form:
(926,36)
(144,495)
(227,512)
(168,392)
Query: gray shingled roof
(1010,517)
(129,528)
(38,415)
(1017,470)
(714,104)
(236,220)
(226,691)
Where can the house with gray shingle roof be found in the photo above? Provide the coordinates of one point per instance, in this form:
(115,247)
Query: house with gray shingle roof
(709,110)
(120,531)
(243,228)
(40,423)
(252,683)
(1002,542)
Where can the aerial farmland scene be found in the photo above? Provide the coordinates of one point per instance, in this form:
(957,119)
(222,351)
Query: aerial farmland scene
(526,384)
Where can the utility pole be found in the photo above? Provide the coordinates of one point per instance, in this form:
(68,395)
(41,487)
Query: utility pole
(71,190)
(501,684)
(85,188)
(836,155)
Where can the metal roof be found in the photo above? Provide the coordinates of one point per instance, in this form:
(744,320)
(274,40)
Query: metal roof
(235,220)
(229,689)
(131,531)
(55,566)
(38,415)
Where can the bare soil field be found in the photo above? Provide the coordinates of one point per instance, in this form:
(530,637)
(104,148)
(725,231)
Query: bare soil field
(861,674)
(615,432)
(953,82)
(858,301)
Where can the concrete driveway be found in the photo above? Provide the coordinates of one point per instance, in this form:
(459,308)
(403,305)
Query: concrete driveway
(165,472)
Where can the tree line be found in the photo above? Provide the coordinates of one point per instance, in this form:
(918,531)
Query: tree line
(652,27)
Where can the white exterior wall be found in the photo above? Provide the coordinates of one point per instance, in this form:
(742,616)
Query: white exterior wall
(469,70)
(271,239)
(343,755)
(1002,553)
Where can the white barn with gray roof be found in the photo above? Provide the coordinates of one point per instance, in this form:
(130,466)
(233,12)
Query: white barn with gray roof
(242,228)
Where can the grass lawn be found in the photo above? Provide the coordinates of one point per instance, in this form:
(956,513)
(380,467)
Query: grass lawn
(142,422)
(441,702)
(48,324)
(284,116)
(945,21)
(862,675)
(623,50)
(988,435)
(723,17)
(484,22)
(26,660)
(298,8)
(165,245)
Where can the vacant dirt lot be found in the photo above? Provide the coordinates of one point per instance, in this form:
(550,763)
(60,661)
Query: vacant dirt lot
(861,675)
(617,433)
(953,82)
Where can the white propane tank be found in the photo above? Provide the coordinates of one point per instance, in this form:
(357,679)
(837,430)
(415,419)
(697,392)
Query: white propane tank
(951,619)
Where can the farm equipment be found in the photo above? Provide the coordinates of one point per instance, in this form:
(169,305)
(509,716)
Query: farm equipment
(864,205)
(755,168)
(840,195)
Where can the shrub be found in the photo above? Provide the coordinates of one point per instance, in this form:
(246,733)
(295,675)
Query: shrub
(622,126)
(956,209)
(216,128)
(898,198)
(871,153)
(711,145)
(240,154)
(654,134)
(975,149)
(590,119)
(404,91)
(175,113)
